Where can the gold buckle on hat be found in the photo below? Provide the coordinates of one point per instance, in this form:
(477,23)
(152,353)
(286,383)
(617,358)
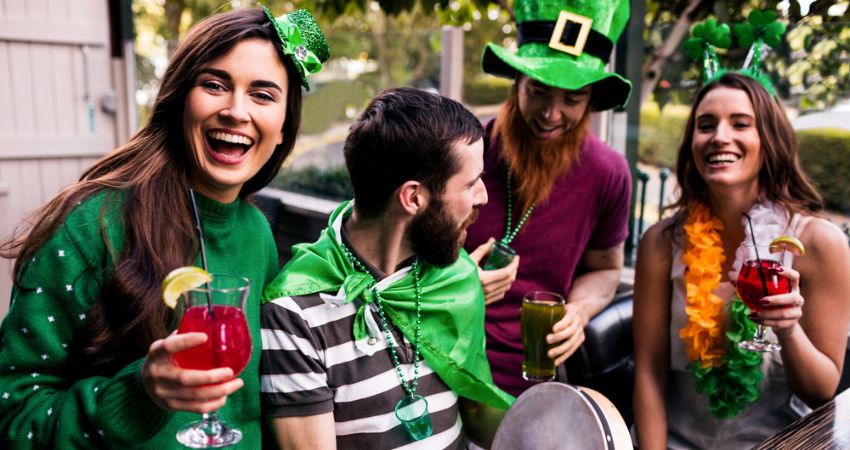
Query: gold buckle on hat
(578,47)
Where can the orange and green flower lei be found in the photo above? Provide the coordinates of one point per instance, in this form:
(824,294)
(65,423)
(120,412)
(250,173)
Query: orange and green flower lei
(728,375)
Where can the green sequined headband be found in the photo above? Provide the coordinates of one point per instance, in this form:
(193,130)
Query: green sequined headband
(761,28)
(301,40)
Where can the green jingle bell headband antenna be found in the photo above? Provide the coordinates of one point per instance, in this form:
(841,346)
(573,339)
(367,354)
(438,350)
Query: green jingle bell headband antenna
(761,28)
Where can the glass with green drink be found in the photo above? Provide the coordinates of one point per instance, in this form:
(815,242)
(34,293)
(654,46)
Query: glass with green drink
(540,311)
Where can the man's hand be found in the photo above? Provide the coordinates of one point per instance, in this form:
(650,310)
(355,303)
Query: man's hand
(568,333)
(494,282)
(590,293)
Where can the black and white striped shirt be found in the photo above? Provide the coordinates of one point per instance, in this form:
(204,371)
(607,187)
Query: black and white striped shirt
(310,365)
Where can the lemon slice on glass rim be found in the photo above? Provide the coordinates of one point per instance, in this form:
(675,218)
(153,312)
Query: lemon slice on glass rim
(181,280)
(789,244)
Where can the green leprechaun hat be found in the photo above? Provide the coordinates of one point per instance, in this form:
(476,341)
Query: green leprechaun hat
(302,40)
(566,44)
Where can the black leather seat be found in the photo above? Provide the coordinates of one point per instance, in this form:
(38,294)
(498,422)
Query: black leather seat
(605,362)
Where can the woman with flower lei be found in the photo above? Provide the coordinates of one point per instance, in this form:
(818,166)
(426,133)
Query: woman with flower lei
(694,387)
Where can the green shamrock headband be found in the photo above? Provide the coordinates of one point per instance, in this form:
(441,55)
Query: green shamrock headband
(302,40)
(761,28)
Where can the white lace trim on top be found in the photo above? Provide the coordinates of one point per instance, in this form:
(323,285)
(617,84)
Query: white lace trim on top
(769,222)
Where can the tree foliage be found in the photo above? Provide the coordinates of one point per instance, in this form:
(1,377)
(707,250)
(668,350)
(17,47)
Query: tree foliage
(806,67)
(400,36)
(811,66)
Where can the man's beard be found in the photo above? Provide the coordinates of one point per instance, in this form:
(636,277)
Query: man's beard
(535,165)
(434,237)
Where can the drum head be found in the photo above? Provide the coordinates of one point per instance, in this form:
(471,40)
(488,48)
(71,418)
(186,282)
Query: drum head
(561,416)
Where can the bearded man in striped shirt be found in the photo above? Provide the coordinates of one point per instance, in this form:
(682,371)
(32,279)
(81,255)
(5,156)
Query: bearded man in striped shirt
(383,315)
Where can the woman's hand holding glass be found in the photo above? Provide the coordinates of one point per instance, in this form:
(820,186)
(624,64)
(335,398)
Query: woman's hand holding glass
(176,389)
(782,312)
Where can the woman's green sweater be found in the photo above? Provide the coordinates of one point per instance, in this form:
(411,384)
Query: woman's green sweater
(42,405)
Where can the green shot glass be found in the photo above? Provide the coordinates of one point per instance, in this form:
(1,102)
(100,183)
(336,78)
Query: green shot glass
(412,412)
(500,256)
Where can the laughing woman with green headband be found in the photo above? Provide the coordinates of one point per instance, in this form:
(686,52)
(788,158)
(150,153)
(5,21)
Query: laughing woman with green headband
(86,349)
(700,382)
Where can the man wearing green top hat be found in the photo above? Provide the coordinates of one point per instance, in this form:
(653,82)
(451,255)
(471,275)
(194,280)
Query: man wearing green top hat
(372,333)
(559,197)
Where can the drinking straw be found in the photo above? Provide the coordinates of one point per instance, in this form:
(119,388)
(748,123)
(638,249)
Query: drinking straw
(200,229)
(756,249)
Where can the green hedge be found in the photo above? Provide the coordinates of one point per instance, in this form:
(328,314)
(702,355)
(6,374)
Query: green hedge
(333,102)
(331,184)
(486,90)
(661,133)
(825,155)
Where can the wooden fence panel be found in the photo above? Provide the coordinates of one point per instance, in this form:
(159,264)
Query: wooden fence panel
(54,63)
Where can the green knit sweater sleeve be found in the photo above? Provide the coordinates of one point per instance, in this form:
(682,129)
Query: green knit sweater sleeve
(42,405)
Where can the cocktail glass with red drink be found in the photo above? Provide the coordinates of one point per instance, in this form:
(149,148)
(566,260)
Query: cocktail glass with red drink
(759,278)
(218,310)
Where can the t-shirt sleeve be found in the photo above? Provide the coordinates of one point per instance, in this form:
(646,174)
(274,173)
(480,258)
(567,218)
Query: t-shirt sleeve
(293,379)
(42,403)
(612,228)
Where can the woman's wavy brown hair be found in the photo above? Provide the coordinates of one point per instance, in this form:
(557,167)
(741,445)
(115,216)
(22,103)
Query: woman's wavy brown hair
(781,178)
(152,171)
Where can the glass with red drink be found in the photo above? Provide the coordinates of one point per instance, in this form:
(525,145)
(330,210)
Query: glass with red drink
(760,278)
(218,310)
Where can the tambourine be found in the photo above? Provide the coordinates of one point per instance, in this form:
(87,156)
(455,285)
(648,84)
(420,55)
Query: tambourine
(562,416)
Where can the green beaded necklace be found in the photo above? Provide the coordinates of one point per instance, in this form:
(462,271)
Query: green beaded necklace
(510,234)
(410,388)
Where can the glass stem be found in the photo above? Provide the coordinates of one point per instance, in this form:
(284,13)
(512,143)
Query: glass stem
(759,336)
(210,424)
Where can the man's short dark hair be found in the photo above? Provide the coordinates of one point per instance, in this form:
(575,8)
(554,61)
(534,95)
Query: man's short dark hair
(405,134)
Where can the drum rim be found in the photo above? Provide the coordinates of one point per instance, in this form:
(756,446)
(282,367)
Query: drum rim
(610,423)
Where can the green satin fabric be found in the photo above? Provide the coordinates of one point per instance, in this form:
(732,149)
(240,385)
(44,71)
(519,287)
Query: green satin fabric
(452,333)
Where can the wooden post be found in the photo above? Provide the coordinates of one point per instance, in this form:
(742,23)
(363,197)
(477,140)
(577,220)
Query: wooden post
(451,63)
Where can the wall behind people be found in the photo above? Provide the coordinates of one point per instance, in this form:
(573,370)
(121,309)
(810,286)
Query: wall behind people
(57,71)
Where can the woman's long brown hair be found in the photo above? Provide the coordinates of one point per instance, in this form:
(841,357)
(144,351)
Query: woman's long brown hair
(781,178)
(152,171)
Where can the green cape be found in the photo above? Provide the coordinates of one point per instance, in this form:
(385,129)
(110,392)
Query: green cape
(452,333)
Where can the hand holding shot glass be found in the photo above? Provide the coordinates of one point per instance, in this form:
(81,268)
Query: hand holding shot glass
(501,254)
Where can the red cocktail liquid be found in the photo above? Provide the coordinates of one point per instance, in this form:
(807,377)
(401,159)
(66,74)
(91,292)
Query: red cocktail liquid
(749,285)
(228,339)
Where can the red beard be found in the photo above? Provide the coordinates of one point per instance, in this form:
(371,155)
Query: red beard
(535,165)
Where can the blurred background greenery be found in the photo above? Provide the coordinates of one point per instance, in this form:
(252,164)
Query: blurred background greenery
(386,43)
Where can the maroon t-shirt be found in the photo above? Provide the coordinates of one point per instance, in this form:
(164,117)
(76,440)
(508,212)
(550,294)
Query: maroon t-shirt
(587,209)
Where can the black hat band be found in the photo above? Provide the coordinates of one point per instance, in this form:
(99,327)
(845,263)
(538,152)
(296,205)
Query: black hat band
(541,31)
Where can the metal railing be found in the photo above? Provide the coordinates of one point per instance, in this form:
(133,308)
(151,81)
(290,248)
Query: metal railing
(640,223)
